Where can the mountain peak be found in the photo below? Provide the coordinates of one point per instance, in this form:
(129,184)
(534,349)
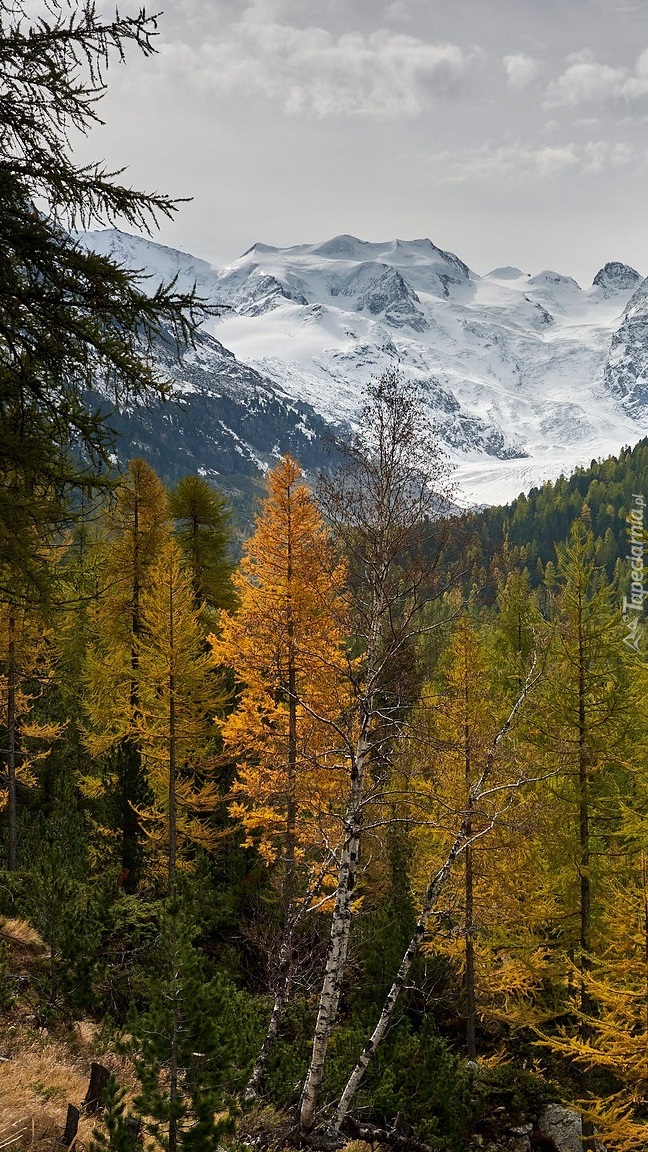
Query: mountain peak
(259,246)
(617,277)
(553,280)
(345,245)
(506,273)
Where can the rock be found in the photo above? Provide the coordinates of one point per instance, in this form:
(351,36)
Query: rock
(616,277)
(563,1127)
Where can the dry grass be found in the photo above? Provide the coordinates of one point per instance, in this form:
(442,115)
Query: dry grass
(40,1074)
(21,935)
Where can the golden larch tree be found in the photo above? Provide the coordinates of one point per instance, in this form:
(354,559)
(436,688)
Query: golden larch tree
(178,693)
(133,531)
(27,667)
(286,646)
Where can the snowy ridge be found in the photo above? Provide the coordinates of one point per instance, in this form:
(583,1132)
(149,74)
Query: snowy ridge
(526,376)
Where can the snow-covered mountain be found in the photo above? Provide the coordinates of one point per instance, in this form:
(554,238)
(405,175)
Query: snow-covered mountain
(526,376)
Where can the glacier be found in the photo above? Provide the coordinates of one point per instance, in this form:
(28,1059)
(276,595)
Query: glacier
(525,375)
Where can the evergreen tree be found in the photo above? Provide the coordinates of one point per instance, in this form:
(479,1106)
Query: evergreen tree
(587,724)
(202,520)
(186,1044)
(69,318)
(135,529)
(465,714)
(614,1049)
(116,1131)
(27,662)
(178,692)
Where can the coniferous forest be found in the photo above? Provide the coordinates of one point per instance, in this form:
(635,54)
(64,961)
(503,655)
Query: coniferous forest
(341,843)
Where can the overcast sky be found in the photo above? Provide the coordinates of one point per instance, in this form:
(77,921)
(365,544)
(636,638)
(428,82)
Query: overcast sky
(508,131)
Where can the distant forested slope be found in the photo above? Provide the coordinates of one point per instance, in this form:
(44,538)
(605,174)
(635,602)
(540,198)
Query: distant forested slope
(524,533)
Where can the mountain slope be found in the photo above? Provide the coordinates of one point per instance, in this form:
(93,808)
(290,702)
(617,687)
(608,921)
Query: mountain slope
(525,376)
(224,421)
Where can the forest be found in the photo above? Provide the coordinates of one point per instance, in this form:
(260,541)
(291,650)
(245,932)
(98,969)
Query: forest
(335,839)
(321,845)
(530,527)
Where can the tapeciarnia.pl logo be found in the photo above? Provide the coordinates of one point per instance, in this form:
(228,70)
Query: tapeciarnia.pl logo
(633,605)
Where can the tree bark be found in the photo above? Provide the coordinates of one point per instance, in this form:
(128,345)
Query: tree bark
(175,1024)
(11,743)
(282,985)
(471,1040)
(437,881)
(471,1011)
(434,888)
(94,1097)
(585,942)
(340,932)
(284,970)
(172,745)
(175,1027)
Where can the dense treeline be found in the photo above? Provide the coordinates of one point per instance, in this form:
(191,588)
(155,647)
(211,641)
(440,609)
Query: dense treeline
(323,832)
(525,532)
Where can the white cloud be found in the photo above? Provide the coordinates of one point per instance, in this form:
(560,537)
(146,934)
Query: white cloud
(587,81)
(520,162)
(600,156)
(521,70)
(311,72)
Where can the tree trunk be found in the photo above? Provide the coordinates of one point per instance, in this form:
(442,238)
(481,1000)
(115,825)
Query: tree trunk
(347,875)
(284,970)
(71,1126)
(585,942)
(175,1026)
(340,932)
(282,986)
(471,1041)
(130,763)
(645,925)
(175,1023)
(11,743)
(94,1097)
(172,747)
(471,1011)
(434,888)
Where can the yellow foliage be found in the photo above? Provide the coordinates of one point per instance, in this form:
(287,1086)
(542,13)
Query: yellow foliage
(286,645)
(178,694)
(34,663)
(485,899)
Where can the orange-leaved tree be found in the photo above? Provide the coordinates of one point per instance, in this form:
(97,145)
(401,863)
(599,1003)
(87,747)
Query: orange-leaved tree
(286,646)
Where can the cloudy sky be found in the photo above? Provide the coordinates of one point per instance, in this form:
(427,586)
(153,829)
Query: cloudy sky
(508,131)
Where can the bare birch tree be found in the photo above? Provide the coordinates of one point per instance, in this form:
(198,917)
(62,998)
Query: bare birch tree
(487,799)
(385,505)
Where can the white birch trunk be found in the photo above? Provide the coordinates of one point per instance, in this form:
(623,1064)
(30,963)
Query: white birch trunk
(435,886)
(340,932)
(255,1083)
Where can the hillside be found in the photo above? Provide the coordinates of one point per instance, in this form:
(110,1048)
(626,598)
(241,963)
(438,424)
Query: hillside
(528,529)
